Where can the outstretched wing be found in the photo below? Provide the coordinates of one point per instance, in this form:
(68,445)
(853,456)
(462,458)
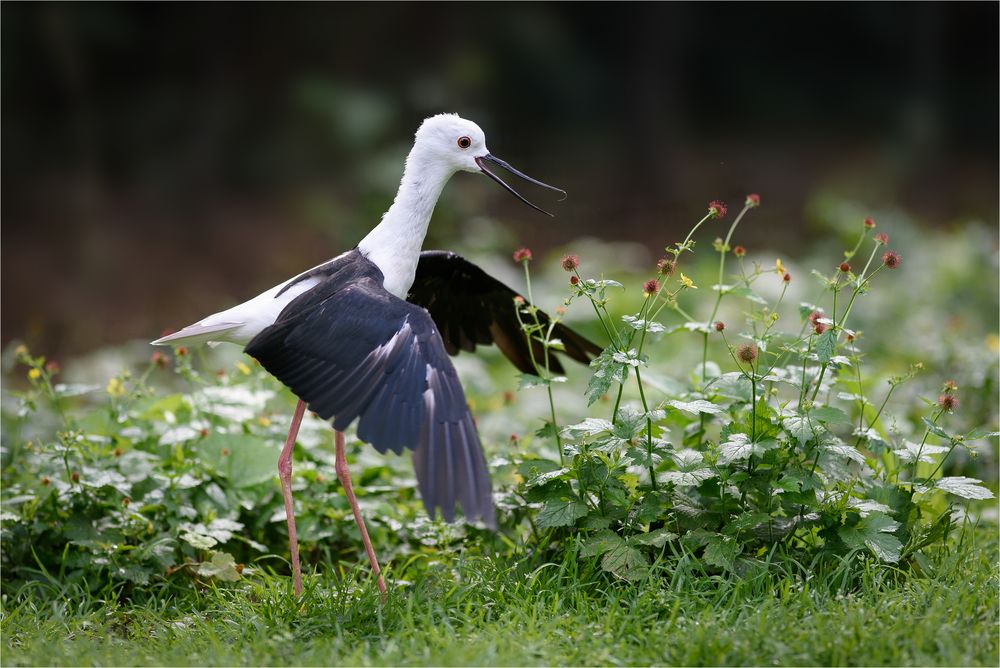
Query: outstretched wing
(349,349)
(472,308)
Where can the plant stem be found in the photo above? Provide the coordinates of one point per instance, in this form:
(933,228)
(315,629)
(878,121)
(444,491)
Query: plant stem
(839,326)
(718,298)
(920,448)
(545,351)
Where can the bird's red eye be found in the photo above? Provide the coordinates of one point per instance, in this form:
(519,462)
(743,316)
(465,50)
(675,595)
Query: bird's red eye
(464,142)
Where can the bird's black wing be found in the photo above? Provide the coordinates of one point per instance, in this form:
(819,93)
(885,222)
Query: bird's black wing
(472,308)
(349,349)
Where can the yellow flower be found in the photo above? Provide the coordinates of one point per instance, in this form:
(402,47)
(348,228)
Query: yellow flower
(243,368)
(264,421)
(34,374)
(687,282)
(116,387)
(780,268)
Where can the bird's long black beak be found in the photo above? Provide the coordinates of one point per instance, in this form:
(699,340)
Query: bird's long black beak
(501,163)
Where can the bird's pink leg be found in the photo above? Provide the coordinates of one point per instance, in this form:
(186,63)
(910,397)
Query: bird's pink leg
(285,475)
(345,479)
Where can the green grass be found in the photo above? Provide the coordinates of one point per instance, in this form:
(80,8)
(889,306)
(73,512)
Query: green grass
(500,612)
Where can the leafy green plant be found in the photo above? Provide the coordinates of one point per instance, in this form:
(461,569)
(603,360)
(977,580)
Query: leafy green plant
(776,448)
(123,485)
(808,442)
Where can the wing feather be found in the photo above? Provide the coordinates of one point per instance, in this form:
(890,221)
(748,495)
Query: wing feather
(472,308)
(352,351)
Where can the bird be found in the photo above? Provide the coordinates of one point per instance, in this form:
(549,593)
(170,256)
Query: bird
(367,336)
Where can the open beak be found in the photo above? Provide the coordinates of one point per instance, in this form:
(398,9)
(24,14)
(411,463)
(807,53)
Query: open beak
(497,161)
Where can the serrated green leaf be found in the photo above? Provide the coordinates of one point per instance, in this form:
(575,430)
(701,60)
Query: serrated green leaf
(625,561)
(561,511)
(589,427)
(967,488)
(245,459)
(844,450)
(875,533)
(721,552)
(639,324)
(826,345)
(222,566)
(695,407)
(606,372)
(801,428)
(600,543)
(691,478)
(656,538)
(198,541)
(830,415)
(744,522)
(546,477)
(737,448)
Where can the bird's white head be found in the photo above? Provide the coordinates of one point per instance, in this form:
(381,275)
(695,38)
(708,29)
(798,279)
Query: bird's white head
(451,144)
(452,141)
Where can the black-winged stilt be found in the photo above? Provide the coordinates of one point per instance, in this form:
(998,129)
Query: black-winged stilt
(367,335)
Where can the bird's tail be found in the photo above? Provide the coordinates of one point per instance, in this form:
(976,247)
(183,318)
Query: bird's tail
(198,333)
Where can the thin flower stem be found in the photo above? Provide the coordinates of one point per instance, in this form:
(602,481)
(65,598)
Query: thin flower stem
(860,283)
(878,413)
(920,448)
(943,460)
(643,313)
(545,351)
(723,250)
(695,229)
(618,402)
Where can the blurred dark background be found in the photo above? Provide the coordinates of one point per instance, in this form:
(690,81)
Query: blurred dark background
(161,161)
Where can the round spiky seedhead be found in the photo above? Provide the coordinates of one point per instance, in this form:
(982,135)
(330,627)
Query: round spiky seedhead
(522,255)
(950,386)
(787,278)
(717,208)
(570,262)
(573,280)
(891,259)
(719,326)
(948,402)
(739,251)
(651,287)
(882,238)
(747,352)
(845,268)
(665,267)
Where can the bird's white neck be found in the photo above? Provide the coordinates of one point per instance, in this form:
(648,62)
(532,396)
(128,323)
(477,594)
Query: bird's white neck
(394,245)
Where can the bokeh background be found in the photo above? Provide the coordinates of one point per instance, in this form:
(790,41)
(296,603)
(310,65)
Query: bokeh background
(162,161)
